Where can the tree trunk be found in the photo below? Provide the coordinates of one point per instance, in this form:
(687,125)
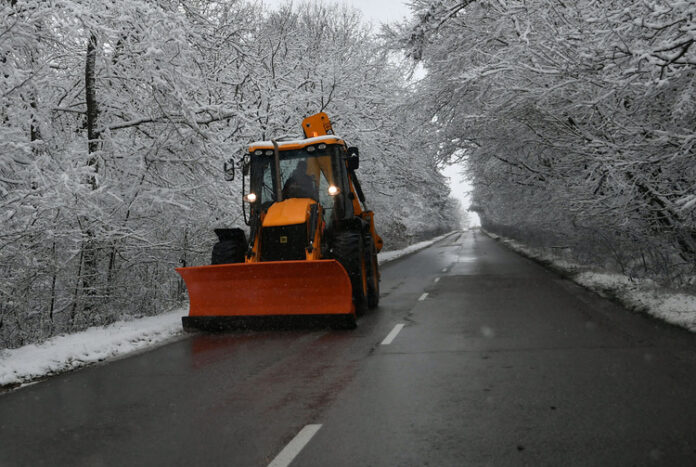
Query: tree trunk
(92,111)
(90,265)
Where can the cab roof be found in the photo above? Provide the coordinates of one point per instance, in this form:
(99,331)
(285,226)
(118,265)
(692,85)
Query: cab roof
(297,144)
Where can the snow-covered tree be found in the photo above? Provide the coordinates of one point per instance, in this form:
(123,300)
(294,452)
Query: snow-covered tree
(576,121)
(116,117)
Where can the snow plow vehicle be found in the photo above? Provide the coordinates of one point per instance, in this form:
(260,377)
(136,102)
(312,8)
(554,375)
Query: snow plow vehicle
(311,253)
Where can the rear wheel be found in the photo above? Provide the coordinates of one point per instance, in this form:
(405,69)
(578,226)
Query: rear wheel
(231,247)
(372,270)
(373,281)
(347,248)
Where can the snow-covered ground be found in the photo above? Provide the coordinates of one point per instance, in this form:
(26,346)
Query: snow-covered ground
(636,294)
(387,256)
(67,352)
(64,353)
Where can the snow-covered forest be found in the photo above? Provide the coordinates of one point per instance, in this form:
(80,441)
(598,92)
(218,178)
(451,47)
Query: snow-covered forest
(116,117)
(577,121)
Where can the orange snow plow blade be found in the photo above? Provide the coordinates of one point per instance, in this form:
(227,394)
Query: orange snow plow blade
(228,296)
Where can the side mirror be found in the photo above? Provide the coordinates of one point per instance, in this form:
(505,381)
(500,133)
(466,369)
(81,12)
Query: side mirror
(353,160)
(228,168)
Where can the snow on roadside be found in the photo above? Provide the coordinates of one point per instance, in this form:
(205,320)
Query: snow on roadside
(387,256)
(68,352)
(642,295)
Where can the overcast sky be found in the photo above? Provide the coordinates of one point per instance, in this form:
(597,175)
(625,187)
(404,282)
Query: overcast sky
(383,11)
(376,11)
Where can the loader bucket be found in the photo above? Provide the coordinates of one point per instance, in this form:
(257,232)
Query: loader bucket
(228,296)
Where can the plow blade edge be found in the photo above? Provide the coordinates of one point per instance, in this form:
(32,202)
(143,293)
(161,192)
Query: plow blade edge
(250,294)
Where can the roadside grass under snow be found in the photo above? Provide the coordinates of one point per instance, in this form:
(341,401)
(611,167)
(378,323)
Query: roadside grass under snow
(643,295)
(68,352)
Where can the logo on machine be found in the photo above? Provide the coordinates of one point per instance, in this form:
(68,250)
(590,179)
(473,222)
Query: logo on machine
(283,239)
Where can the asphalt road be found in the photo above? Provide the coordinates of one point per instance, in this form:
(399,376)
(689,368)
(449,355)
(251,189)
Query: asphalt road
(501,363)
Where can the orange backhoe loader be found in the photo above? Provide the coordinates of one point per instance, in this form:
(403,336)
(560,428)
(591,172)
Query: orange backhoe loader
(312,246)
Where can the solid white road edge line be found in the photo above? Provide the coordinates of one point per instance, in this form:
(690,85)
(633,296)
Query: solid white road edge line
(294,447)
(392,335)
(423,297)
(437,279)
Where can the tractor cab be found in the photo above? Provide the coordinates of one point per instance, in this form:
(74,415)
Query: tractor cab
(313,170)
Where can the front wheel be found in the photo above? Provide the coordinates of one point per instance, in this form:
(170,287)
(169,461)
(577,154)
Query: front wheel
(347,248)
(231,246)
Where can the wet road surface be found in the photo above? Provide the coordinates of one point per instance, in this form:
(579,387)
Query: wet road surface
(476,356)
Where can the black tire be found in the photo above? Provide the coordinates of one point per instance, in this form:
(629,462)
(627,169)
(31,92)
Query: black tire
(347,249)
(231,248)
(372,274)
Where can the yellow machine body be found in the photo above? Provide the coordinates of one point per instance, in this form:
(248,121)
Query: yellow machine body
(262,290)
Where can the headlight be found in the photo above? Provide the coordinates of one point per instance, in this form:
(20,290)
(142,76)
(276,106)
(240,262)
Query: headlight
(250,198)
(334,190)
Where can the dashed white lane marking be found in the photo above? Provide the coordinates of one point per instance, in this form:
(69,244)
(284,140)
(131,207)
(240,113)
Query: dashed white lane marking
(392,335)
(437,279)
(294,447)
(444,269)
(423,297)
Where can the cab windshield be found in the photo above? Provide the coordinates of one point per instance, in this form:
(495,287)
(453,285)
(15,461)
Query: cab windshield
(303,174)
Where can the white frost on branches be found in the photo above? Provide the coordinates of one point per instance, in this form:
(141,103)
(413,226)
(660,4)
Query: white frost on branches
(576,119)
(93,228)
